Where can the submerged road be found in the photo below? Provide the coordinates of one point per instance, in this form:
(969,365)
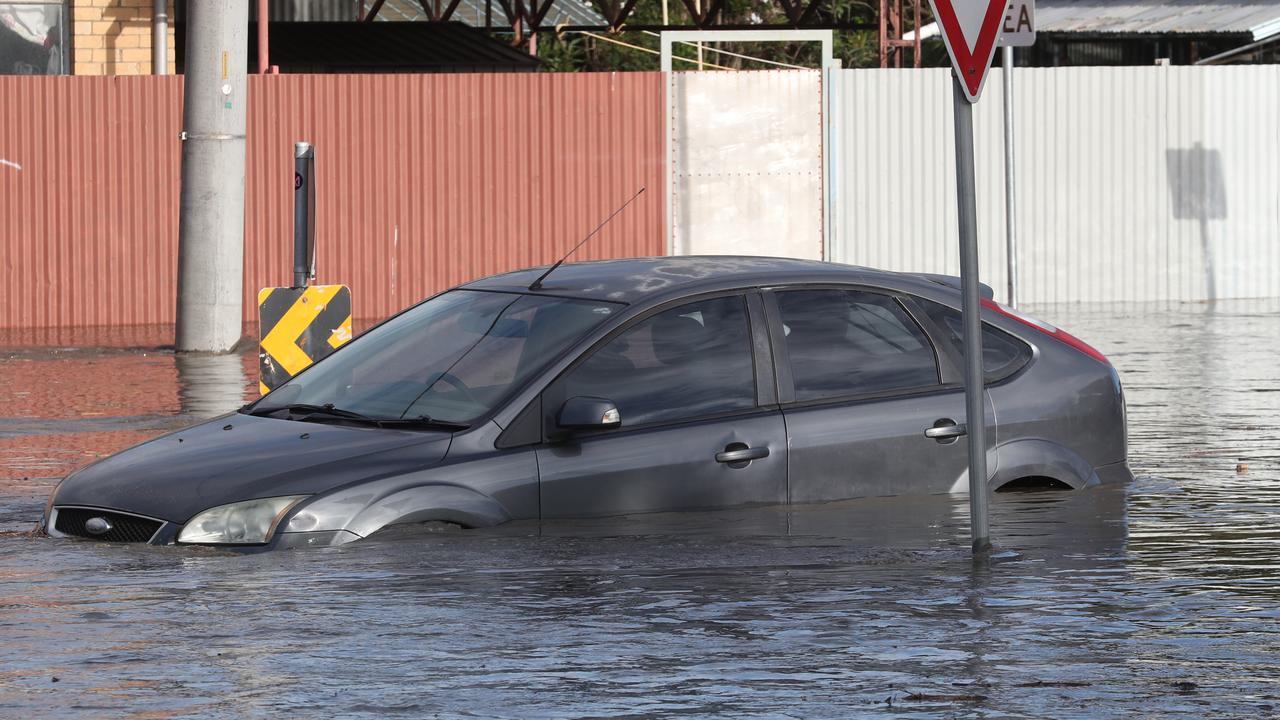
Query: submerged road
(1158,599)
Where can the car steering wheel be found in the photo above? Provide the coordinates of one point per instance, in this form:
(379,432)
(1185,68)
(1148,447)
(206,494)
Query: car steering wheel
(454,381)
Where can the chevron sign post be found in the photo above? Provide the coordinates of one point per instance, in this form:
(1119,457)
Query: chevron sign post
(971,30)
(302,324)
(299,326)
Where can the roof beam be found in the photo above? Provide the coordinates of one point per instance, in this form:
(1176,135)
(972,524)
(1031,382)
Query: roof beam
(373,11)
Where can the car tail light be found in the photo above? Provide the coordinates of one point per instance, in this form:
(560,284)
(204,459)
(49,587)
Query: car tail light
(1056,333)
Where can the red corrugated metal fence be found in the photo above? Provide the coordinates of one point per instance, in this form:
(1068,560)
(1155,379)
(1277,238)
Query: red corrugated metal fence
(424,181)
(88,200)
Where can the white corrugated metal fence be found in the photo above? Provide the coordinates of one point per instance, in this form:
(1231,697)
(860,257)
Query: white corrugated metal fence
(1133,184)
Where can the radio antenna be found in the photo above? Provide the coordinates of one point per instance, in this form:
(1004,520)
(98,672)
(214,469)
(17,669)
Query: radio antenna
(537,284)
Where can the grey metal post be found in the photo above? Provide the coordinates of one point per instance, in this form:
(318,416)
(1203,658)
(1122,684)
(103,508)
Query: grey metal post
(971,309)
(160,37)
(211,213)
(1010,204)
(304,220)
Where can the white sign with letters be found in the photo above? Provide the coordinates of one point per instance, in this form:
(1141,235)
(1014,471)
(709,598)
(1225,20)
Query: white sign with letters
(1019,28)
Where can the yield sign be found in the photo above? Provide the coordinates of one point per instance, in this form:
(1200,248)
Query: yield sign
(970,29)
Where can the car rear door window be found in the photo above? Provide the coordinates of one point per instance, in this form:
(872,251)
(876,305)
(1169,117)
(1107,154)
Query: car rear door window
(848,342)
(1002,354)
(690,361)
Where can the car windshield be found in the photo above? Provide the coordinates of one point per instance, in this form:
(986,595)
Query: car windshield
(451,359)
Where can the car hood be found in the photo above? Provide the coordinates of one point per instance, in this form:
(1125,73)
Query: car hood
(241,457)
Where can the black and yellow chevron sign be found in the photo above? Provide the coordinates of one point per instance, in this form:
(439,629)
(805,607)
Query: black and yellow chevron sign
(299,326)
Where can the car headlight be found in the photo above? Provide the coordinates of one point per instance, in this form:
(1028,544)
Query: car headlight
(48,510)
(243,523)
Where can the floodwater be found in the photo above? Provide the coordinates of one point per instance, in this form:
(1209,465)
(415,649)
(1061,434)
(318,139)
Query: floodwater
(1159,599)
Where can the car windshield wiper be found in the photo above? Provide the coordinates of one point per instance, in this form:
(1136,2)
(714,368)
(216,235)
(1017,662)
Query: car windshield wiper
(310,410)
(314,412)
(422,421)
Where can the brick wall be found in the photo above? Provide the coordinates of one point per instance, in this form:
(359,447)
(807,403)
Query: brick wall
(113,37)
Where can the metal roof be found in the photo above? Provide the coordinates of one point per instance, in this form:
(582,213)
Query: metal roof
(1256,19)
(471,12)
(1259,19)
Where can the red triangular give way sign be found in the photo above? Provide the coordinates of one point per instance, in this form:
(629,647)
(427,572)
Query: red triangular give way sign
(970,29)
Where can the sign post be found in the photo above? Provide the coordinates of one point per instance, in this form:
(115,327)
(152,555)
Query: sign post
(304,213)
(1010,214)
(970,29)
(303,323)
(1019,31)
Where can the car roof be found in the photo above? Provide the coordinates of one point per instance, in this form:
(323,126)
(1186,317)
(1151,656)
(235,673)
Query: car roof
(634,280)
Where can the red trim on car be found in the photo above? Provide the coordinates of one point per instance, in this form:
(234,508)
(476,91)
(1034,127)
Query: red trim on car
(1056,333)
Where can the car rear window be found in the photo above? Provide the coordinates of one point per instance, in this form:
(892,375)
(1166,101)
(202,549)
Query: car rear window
(847,342)
(1002,353)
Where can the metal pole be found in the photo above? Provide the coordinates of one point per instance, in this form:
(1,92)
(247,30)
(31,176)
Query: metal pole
(211,211)
(160,37)
(698,7)
(264,53)
(1010,204)
(971,309)
(304,193)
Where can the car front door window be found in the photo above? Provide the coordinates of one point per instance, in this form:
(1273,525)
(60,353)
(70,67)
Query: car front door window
(687,362)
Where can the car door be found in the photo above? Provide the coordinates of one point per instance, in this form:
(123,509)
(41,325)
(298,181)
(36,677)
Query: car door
(860,383)
(700,427)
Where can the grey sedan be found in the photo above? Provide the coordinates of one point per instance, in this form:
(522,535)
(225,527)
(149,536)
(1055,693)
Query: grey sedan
(619,387)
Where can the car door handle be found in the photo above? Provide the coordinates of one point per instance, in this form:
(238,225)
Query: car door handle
(946,430)
(742,454)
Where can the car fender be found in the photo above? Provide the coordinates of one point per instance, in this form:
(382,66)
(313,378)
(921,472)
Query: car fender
(420,503)
(1035,457)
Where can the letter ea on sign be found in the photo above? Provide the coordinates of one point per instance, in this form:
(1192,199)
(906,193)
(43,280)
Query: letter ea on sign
(1019,29)
(970,29)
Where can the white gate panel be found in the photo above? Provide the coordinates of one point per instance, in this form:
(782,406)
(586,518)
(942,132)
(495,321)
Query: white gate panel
(746,173)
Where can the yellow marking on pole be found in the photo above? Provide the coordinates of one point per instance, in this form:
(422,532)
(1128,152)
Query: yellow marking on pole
(224,64)
(263,389)
(279,343)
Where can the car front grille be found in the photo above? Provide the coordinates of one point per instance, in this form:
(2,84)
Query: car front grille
(124,528)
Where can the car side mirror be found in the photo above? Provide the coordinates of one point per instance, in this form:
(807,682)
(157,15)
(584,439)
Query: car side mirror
(588,413)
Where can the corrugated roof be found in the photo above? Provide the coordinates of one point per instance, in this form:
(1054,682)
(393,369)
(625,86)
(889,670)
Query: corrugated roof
(1254,19)
(471,12)
(1257,18)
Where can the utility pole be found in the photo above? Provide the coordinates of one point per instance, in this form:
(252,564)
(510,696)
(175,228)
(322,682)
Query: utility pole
(160,37)
(211,216)
(264,37)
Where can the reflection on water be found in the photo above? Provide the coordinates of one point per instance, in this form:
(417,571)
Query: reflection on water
(1157,599)
(60,409)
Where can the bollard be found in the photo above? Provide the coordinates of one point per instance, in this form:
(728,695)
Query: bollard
(304,213)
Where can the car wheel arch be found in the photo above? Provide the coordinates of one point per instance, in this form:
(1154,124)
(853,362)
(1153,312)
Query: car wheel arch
(433,502)
(1038,458)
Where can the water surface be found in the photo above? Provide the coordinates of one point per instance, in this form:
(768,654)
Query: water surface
(1159,599)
